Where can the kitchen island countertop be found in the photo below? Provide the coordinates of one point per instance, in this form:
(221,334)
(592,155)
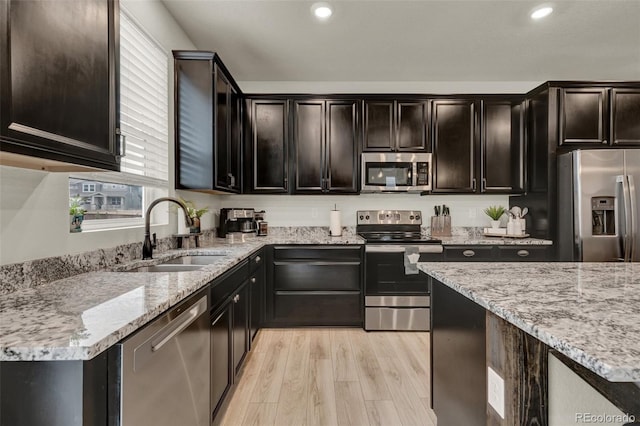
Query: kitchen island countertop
(587,311)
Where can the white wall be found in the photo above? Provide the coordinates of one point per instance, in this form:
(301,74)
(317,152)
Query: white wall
(34,204)
(309,210)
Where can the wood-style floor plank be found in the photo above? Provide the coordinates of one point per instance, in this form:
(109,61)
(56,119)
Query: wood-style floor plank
(374,387)
(350,404)
(382,413)
(321,404)
(308,377)
(344,364)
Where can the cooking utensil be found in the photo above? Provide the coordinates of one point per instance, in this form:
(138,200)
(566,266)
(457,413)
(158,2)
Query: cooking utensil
(516,211)
(524,212)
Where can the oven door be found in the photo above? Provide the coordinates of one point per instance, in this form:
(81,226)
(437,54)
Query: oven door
(385,275)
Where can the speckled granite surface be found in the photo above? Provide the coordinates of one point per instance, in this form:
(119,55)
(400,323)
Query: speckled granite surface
(587,311)
(78,317)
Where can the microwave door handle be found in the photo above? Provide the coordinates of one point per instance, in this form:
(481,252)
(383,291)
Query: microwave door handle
(633,217)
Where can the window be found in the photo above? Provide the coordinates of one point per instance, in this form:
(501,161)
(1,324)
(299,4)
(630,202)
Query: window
(119,199)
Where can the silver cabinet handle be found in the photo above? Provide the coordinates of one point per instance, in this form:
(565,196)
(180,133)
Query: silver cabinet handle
(523,253)
(123,143)
(473,187)
(258,259)
(468,253)
(236,298)
(253,280)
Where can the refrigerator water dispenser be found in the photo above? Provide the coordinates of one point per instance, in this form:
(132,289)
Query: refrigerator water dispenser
(603,216)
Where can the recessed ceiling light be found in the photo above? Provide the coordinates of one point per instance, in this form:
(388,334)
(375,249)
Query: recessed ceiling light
(321,10)
(541,12)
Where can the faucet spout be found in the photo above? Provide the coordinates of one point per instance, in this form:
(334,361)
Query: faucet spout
(148,246)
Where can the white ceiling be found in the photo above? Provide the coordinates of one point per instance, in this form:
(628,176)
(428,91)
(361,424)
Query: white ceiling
(420,40)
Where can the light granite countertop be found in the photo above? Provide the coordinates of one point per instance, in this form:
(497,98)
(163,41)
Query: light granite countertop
(496,241)
(77,318)
(587,311)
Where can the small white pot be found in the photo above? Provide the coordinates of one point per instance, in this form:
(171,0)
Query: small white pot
(495,224)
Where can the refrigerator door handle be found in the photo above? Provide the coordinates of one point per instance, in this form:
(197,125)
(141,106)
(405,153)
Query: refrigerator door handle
(631,187)
(624,216)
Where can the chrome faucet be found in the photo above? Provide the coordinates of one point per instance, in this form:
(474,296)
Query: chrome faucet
(147,246)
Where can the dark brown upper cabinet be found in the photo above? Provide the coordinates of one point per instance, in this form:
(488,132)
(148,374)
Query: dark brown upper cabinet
(208,119)
(59,90)
(325,146)
(625,116)
(502,146)
(583,116)
(395,125)
(266,149)
(454,132)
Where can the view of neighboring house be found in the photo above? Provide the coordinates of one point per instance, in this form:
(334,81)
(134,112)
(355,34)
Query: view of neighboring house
(103,200)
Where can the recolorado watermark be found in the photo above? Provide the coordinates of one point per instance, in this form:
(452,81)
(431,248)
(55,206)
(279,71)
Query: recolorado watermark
(604,418)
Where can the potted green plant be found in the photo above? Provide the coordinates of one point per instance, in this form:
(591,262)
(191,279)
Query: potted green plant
(495,213)
(195,214)
(76,214)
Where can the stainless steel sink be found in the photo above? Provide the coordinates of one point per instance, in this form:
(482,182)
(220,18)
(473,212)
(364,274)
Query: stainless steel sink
(167,268)
(195,260)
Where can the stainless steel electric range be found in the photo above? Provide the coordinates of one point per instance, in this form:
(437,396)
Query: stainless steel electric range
(395,298)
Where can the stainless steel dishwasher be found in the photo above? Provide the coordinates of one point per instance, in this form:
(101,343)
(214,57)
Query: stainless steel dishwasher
(164,369)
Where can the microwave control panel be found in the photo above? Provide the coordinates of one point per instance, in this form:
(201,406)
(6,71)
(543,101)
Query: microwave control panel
(422,169)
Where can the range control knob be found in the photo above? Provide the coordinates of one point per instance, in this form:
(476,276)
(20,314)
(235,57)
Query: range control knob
(411,217)
(367,217)
(361,217)
(417,217)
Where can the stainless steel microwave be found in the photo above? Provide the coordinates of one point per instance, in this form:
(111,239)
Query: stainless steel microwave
(396,172)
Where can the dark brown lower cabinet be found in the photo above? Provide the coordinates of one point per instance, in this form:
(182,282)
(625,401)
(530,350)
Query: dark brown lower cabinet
(241,308)
(221,378)
(314,286)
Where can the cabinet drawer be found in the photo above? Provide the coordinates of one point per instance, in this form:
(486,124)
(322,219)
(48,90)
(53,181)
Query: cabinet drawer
(522,254)
(468,254)
(316,276)
(227,283)
(317,309)
(339,253)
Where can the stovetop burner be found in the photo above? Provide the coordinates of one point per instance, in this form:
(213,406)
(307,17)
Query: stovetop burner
(392,226)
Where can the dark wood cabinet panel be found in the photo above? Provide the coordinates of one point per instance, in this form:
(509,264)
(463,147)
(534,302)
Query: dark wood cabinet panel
(454,136)
(502,145)
(221,376)
(625,116)
(308,141)
(412,126)
(241,328)
(522,254)
(208,119)
(343,139)
(59,82)
(194,125)
(325,146)
(379,126)
(468,253)
(583,113)
(269,146)
(313,309)
(257,283)
(537,116)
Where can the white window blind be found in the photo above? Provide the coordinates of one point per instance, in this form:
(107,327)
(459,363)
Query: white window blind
(144,112)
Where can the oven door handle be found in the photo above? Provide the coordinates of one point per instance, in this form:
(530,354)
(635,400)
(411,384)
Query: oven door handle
(400,248)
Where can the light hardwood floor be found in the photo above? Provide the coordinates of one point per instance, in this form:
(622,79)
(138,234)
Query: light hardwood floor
(324,377)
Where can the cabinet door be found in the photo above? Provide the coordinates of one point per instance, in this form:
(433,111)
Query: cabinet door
(257,282)
(221,129)
(235,140)
(343,136)
(522,254)
(625,116)
(308,141)
(454,135)
(221,378)
(241,305)
(502,145)
(412,126)
(583,112)
(58,81)
(468,253)
(269,139)
(379,126)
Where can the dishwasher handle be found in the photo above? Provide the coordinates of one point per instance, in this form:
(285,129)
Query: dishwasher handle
(179,324)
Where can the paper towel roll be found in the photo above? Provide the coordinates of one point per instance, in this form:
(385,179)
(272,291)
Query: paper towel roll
(335,226)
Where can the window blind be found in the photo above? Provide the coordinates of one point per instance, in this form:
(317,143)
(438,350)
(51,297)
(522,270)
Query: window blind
(144,111)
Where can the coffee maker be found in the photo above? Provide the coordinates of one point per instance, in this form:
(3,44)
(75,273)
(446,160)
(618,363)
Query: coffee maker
(236,221)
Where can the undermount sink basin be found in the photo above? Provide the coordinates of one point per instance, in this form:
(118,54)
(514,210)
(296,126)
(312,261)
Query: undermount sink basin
(167,268)
(195,260)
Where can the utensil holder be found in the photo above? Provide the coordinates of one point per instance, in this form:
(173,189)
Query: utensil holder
(440,226)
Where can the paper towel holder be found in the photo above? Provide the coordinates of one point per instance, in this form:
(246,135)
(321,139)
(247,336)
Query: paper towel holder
(335,225)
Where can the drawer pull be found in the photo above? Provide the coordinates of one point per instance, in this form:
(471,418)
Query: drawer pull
(468,253)
(258,259)
(523,253)
(253,280)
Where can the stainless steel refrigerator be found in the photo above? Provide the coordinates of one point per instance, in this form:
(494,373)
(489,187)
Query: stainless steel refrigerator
(598,205)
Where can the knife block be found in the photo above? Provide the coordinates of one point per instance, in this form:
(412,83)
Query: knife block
(440,226)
